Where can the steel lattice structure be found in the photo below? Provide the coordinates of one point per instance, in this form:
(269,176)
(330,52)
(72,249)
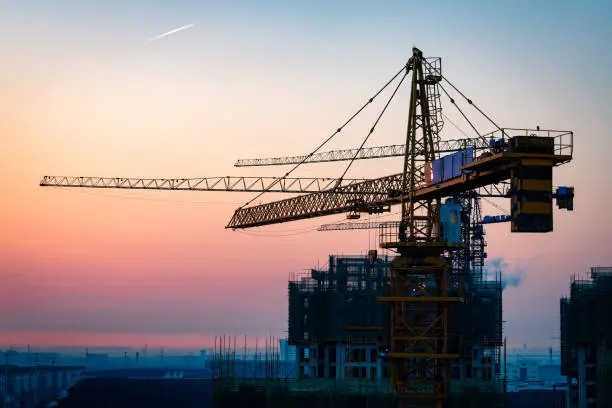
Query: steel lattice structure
(419,333)
(372,195)
(239,184)
(244,184)
(377,152)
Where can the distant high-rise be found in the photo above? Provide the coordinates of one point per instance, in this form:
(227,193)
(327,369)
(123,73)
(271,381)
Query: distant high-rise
(288,352)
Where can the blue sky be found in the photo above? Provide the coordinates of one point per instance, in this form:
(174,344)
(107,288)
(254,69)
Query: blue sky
(271,79)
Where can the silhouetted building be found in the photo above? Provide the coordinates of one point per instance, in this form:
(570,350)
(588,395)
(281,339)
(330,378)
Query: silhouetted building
(586,340)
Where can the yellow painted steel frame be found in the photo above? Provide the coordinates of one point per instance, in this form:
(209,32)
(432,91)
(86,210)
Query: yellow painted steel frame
(420,354)
(420,302)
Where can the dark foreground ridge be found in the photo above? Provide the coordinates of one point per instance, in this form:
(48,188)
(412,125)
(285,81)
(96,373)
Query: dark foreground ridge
(118,392)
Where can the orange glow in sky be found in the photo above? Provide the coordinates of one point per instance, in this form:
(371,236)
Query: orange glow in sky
(120,267)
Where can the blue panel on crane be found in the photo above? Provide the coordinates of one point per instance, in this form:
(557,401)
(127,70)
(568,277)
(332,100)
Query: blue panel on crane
(447,167)
(468,155)
(437,171)
(457,163)
(450,222)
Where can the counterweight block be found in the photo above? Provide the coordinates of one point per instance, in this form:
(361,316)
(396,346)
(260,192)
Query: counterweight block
(531,195)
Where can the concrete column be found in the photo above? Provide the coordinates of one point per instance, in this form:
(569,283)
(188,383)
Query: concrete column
(340,358)
(581,378)
(313,357)
(326,362)
(568,393)
(367,362)
(299,352)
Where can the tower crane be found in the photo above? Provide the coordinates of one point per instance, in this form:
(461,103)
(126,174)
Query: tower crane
(418,340)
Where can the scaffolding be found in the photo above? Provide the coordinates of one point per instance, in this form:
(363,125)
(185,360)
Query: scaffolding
(339,324)
(477,321)
(334,319)
(336,323)
(586,339)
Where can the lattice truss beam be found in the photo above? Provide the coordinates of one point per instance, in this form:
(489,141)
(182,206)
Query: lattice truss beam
(239,184)
(376,152)
(419,217)
(419,329)
(369,196)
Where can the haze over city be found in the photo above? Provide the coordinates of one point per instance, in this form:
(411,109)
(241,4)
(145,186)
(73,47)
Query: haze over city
(85,93)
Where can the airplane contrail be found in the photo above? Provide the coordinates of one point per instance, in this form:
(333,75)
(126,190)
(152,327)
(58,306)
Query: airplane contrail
(176,30)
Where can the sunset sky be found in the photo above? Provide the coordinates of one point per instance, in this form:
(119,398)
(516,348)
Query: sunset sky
(84,92)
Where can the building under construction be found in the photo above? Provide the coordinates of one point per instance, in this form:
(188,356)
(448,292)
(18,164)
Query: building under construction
(337,322)
(586,340)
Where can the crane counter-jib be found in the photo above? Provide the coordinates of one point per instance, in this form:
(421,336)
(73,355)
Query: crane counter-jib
(481,172)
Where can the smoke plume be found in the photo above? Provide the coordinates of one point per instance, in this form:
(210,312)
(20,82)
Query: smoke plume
(510,275)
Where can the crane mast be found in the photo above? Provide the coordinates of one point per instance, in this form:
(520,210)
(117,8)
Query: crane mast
(419,217)
(418,339)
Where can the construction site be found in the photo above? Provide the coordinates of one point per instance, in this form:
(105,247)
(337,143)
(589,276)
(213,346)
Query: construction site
(418,321)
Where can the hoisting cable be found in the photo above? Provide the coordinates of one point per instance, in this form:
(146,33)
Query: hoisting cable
(369,101)
(455,125)
(469,101)
(496,206)
(452,100)
(371,129)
